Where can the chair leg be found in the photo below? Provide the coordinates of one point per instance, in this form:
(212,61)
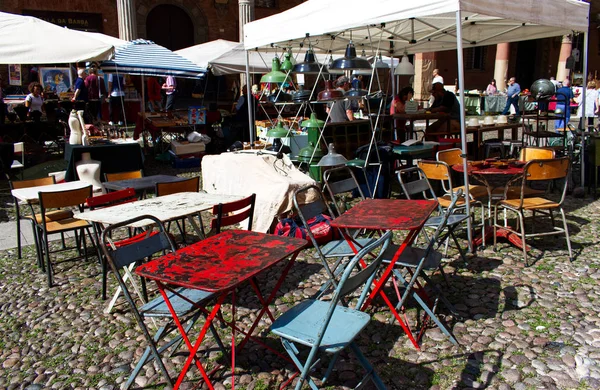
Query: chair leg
(371,373)
(524,243)
(19,235)
(48,263)
(562,213)
(495,222)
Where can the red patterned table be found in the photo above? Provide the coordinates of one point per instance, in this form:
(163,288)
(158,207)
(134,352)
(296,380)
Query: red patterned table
(388,214)
(493,178)
(221,264)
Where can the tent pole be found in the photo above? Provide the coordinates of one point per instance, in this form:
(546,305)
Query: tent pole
(249,101)
(393,80)
(143,113)
(463,132)
(583,117)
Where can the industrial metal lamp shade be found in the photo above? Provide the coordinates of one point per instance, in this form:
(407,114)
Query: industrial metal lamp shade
(313,122)
(350,60)
(310,64)
(287,65)
(275,75)
(405,67)
(379,64)
(332,158)
(329,93)
(279,132)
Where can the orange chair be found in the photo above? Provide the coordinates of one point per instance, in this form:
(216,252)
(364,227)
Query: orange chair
(123,175)
(452,157)
(189,185)
(538,170)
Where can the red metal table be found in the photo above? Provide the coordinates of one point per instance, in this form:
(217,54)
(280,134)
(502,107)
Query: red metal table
(387,214)
(221,264)
(493,178)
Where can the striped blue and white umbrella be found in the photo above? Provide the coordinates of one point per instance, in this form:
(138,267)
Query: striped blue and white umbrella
(142,57)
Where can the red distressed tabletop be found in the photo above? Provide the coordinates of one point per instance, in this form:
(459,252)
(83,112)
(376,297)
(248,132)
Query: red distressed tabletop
(387,214)
(221,262)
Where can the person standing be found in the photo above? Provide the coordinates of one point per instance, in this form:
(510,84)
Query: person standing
(116,103)
(92,83)
(241,112)
(512,96)
(491,88)
(564,96)
(154,96)
(34,101)
(170,87)
(340,110)
(437,78)
(591,105)
(2,104)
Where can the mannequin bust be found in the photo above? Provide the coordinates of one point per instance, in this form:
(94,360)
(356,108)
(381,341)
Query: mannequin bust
(89,170)
(76,130)
(85,141)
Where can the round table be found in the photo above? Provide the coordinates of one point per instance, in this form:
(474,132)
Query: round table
(493,178)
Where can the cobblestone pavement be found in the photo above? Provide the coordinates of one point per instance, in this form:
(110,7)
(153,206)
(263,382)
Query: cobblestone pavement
(522,327)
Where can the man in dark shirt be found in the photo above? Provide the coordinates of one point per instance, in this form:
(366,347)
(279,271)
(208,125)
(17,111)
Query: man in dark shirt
(445,102)
(81,92)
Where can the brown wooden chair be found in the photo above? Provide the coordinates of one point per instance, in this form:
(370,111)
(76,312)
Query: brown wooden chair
(189,185)
(123,175)
(529,153)
(537,171)
(58,200)
(452,157)
(33,217)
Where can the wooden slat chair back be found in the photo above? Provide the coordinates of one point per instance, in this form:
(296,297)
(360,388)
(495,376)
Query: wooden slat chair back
(232,213)
(450,156)
(189,185)
(532,153)
(33,218)
(58,200)
(123,175)
(187,303)
(547,169)
(436,170)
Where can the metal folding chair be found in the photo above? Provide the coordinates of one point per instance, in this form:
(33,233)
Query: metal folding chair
(341,184)
(422,186)
(337,249)
(415,261)
(187,303)
(332,327)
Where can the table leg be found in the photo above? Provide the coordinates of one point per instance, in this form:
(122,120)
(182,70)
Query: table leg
(193,349)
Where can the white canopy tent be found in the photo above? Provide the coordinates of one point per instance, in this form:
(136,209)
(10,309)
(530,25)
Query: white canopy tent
(392,26)
(28,40)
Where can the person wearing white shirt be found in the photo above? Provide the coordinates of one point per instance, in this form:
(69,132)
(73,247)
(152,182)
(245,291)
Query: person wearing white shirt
(437,78)
(591,104)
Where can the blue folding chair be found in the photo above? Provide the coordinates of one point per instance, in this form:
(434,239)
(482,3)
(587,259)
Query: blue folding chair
(336,250)
(186,302)
(328,327)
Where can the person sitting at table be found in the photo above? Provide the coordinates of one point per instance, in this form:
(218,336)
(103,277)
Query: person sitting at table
(491,88)
(341,110)
(34,101)
(399,104)
(445,102)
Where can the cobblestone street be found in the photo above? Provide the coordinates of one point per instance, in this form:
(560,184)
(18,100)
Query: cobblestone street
(523,327)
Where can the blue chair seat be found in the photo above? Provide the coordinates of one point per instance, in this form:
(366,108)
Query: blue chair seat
(340,248)
(158,308)
(411,257)
(452,220)
(301,324)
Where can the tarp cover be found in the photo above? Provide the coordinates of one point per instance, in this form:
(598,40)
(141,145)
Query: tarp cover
(374,24)
(273,181)
(141,57)
(29,40)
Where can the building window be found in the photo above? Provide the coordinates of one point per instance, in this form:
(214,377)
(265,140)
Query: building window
(266,3)
(475,58)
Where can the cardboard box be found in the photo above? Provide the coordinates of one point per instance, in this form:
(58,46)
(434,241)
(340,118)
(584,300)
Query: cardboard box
(180,148)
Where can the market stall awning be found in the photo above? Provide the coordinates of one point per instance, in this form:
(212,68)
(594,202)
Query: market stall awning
(141,57)
(415,26)
(29,40)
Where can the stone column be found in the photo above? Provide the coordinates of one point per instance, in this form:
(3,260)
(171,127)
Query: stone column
(501,65)
(565,51)
(425,63)
(127,23)
(246,10)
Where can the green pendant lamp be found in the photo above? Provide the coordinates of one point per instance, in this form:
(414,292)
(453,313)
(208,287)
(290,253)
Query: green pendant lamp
(275,75)
(277,133)
(287,64)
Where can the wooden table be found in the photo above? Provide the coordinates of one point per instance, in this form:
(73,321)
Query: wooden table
(388,214)
(165,208)
(220,264)
(30,194)
(411,118)
(141,184)
(499,128)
